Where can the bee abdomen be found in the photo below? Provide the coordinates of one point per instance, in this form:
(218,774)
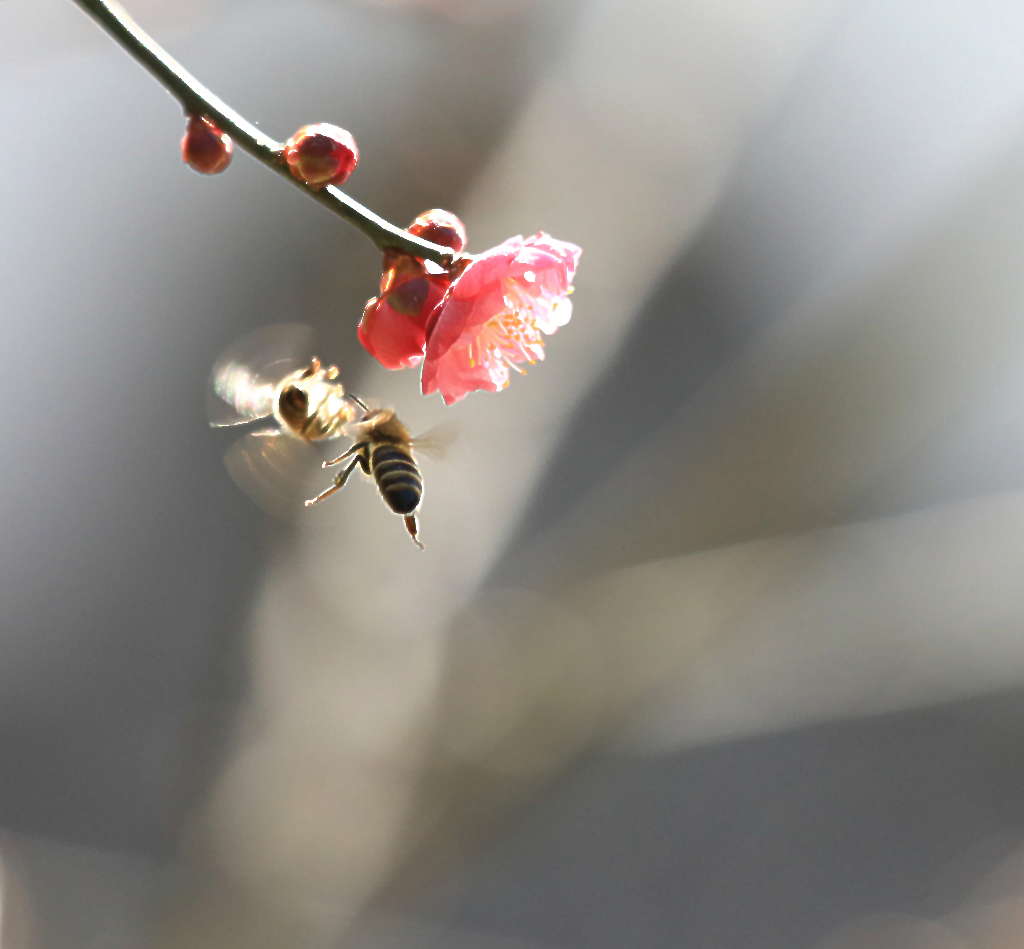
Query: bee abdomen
(397,477)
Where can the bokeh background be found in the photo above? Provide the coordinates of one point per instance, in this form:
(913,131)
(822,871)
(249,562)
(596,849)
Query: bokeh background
(718,640)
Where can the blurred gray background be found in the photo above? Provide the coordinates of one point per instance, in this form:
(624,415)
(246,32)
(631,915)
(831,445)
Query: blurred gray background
(717,640)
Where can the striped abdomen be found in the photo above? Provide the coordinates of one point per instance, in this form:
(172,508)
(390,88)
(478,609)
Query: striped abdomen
(397,476)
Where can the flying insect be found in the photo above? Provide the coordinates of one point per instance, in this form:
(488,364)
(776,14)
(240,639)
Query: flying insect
(382,447)
(263,378)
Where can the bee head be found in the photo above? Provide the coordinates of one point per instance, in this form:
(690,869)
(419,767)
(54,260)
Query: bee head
(293,407)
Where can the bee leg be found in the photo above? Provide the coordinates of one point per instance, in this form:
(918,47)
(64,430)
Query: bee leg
(313,369)
(339,483)
(236,423)
(413,529)
(266,433)
(359,446)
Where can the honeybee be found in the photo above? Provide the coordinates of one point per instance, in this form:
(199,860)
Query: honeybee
(382,447)
(262,377)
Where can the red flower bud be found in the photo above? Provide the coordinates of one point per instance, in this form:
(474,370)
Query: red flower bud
(205,147)
(393,327)
(321,154)
(440,227)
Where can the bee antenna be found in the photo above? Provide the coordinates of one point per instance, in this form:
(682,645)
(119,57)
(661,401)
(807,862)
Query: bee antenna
(359,402)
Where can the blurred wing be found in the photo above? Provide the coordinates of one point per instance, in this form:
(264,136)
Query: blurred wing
(275,472)
(437,441)
(244,377)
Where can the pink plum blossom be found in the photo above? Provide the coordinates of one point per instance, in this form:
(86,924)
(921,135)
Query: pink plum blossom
(496,313)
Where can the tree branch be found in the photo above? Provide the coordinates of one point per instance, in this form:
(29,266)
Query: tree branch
(195,97)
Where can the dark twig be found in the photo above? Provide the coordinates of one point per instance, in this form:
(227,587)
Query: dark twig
(196,98)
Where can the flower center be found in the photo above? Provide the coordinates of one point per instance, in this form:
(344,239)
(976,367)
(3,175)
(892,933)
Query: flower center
(508,338)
